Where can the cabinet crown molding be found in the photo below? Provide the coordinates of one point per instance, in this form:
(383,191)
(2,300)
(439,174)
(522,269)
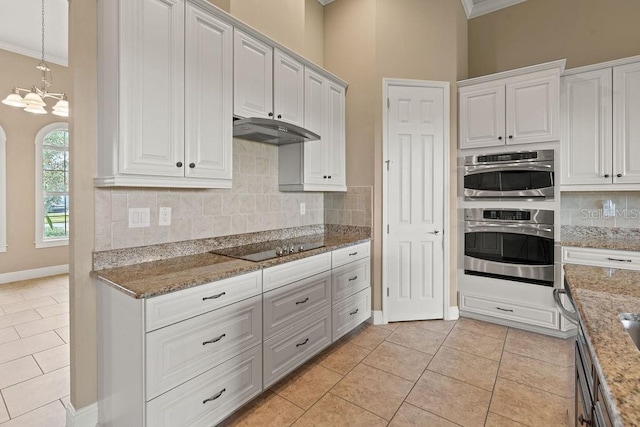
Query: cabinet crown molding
(601,65)
(553,65)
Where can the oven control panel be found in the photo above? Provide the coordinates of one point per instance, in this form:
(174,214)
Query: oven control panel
(504,215)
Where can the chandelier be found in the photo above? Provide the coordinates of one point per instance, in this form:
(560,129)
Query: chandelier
(33,101)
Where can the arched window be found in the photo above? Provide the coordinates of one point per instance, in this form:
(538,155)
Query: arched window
(52,185)
(3,191)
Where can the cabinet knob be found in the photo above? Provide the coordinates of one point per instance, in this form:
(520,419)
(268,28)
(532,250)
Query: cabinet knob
(510,136)
(270,114)
(329,176)
(606,175)
(619,175)
(325,177)
(192,165)
(500,138)
(279,116)
(179,164)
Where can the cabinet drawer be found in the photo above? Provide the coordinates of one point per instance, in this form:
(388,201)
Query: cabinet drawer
(349,254)
(177,306)
(279,275)
(210,397)
(540,316)
(351,278)
(601,257)
(286,305)
(179,352)
(288,350)
(349,313)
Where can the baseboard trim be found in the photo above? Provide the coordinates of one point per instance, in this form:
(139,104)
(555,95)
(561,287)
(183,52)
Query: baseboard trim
(83,417)
(518,325)
(453,313)
(16,276)
(376,317)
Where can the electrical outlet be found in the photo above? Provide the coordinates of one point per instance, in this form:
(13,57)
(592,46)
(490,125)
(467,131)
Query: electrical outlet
(139,217)
(164,216)
(303,208)
(608,209)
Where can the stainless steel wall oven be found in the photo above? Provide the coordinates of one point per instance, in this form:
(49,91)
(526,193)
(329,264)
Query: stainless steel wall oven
(522,174)
(511,244)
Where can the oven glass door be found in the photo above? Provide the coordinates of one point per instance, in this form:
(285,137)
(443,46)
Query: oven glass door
(520,252)
(509,181)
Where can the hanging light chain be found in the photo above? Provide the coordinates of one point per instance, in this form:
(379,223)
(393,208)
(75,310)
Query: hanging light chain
(42,30)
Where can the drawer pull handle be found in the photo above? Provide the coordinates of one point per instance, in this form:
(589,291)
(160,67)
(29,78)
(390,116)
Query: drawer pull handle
(619,259)
(355,253)
(354,312)
(303,301)
(214,340)
(214,397)
(303,343)
(214,296)
(353,278)
(504,309)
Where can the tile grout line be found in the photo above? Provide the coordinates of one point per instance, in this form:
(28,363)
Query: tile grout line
(6,408)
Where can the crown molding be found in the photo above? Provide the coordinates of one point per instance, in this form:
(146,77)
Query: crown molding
(472,10)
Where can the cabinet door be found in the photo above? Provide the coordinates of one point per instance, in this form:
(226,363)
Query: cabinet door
(288,89)
(626,124)
(481,117)
(533,110)
(315,112)
(335,143)
(253,77)
(151,104)
(208,96)
(586,128)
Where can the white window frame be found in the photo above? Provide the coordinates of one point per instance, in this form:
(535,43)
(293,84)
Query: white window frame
(3,190)
(40,242)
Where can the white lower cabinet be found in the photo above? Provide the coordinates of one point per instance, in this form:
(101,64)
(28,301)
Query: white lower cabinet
(212,396)
(288,350)
(545,317)
(194,356)
(629,260)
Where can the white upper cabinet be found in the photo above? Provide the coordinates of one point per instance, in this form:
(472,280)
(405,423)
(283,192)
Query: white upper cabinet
(267,82)
(514,107)
(601,126)
(288,89)
(208,96)
(253,77)
(626,124)
(587,148)
(317,165)
(145,78)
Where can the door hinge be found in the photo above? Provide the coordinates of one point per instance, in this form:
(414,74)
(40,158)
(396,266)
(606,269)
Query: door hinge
(387,228)
(387,291)
(387,162)
(388,103)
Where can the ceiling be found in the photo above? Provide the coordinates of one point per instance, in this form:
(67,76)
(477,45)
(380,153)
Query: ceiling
(21,32)
(20,25)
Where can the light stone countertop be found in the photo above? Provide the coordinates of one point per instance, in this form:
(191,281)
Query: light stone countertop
(149,279)
(621,239)
(600,295)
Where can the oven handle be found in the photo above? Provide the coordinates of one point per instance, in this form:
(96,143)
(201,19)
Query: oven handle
(507,167)
(538,230)
(571,316)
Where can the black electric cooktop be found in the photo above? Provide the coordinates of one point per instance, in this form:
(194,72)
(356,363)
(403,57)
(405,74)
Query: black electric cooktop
(268,250)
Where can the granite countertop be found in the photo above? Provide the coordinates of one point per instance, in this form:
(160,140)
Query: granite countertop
(621,239)
(149,279)
(600,295)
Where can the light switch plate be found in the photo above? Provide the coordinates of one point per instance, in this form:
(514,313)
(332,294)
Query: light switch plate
(303,208)
(139,217)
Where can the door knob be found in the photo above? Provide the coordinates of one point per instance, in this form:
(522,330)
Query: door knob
(434,232)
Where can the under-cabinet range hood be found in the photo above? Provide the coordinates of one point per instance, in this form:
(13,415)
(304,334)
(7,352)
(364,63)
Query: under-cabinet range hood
(271,131)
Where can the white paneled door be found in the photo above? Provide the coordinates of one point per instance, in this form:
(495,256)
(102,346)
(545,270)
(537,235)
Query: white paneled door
(415,202)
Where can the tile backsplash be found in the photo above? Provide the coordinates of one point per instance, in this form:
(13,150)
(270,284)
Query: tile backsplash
(614,209)
(351,208)
(253,204)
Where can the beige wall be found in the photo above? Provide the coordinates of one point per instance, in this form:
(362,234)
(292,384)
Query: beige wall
(583,31)
(21,129)
(368,40)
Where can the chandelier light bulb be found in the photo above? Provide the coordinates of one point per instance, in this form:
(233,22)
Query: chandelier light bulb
(35,109)
(14,100)
(32,98)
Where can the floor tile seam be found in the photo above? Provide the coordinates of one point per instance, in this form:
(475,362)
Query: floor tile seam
(535,388)
(504,416)
(406,379)
(61,337)
(30,308)
(495,381)
(458,379)
(14,330)
(436,415)
(355,404)
(382,370)
(541,360)
(34,409)
(293,403)
(467,331)
(6,408)
(410,348)
(473,354)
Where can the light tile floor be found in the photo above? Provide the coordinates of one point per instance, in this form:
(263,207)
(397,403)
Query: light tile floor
(432,373)
(34,352)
